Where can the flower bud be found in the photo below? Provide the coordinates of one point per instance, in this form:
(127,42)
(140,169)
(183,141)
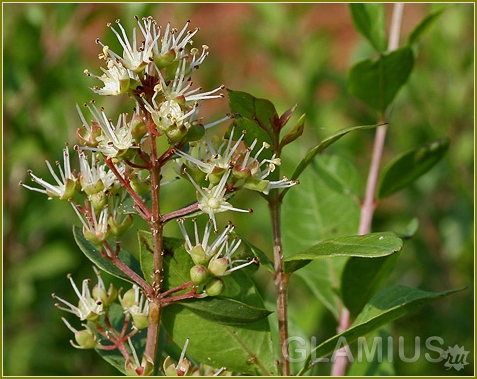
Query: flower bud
(138,127)
(198,255)
(240,172)
(129,298)
(214,287)
(140,320)
(216,174)
(86,338)
(96,237)
(256,184)
(217,267)
(199,274)
(106,297)
(176,133)
(135,369)
(195,132)
(166,59)
(119,228)
(98,200)
(140,182)
(170,369)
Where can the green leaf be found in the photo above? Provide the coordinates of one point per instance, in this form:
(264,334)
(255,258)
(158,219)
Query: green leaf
(339,174)
(369,19)
(374,365)
(423,26)
(409,166)
(376,82)
(314,212)
(295,132)
(262,257)
(323,145)
(225,311)
(387,306)
(241,348)
(104,264)
(256,116)
(322,277)
(369,246)
(362,278)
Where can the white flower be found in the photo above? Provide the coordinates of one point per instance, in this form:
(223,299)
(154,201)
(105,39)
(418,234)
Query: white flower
(65,184)
(221,249)
(214,162)
(114,141)
(95,228)
(168,115)
(116,79)
(88,308)
(212,200)
(178,88)
(135,303)
(135,58)
(173,42)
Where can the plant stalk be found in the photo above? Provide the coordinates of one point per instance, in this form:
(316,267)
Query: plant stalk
(369,203)
(281,283)
(156,227)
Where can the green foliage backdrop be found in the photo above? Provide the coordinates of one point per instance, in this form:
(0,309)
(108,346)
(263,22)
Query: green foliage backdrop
(289,53)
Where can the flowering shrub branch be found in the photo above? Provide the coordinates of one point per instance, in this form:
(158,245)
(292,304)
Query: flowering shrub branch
(202,281)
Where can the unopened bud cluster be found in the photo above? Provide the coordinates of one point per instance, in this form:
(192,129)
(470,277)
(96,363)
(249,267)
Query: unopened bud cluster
(212,259)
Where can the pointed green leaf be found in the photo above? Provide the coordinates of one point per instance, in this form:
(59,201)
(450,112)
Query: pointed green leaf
(104,264)
(424,25)
(256,116)
(242,348)
(225,310)
(409,166)
(262,257)
(376,82)
(387,306)
(369,19)
(295,132)
(314,212)
(368,246)
(323,145)
(362,278)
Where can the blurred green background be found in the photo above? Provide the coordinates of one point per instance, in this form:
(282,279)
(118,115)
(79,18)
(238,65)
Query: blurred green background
(288,53)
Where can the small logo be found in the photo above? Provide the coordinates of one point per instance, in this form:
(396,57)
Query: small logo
(456,357)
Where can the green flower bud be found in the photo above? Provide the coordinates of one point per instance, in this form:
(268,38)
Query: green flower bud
(95,237)
(98,200)
(140,321)
(217,267)
(216,175)
(86,338)
(214,287)
(196,132)
(240,172)
(119,228)
(106,297)
(140,182)
(176,133)
(138,127)
(256,184)
(129,298)
(199,274)
(166,59)
(198,255)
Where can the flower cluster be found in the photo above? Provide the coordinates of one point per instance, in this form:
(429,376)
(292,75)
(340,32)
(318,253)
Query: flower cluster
(212,259)
(124,161)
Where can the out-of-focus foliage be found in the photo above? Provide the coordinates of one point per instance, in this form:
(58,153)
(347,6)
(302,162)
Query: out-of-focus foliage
(290,54)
